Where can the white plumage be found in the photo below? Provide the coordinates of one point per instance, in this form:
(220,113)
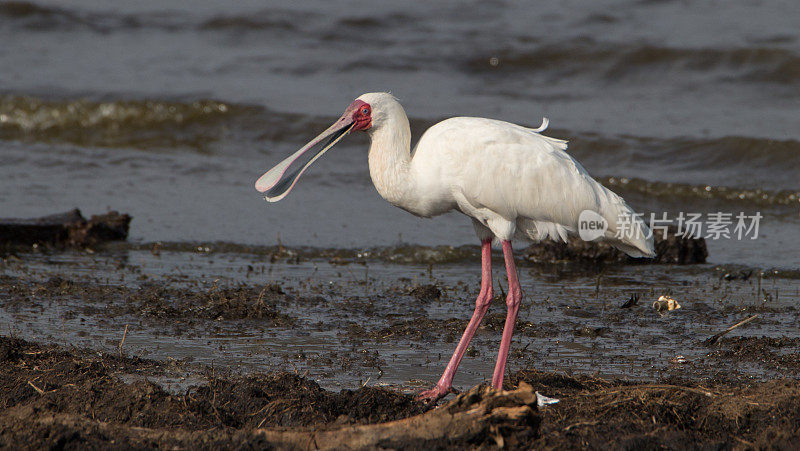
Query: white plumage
(512,181)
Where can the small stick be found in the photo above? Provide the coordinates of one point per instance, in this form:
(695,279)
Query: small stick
(122,342)
(714,338)
(581,423)
(38,390)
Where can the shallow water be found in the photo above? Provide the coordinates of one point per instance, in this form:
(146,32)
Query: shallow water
(170,112)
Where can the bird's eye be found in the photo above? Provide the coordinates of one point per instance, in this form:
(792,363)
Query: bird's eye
(365,111)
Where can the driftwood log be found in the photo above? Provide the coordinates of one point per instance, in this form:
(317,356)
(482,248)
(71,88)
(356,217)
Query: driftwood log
(481,416)
(672,249)
(65,229)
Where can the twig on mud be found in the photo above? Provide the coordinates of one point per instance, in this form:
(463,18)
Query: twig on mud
(502,291)
(581,423)
(260,300)
(214,289)
(122,342)
(634,300)
(714,338)
(741,440)
(597,285)
(38,390)
(266,406)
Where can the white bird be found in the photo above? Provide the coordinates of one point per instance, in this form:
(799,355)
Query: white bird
(512,181)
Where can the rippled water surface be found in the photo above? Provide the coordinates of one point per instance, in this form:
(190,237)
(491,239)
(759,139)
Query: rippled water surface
(170,111)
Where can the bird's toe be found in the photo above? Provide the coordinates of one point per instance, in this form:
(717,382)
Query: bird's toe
(434,394)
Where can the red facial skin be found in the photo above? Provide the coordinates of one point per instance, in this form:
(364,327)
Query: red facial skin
(362,114)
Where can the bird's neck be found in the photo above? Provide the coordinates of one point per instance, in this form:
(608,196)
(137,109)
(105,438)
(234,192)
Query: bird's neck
(390,160)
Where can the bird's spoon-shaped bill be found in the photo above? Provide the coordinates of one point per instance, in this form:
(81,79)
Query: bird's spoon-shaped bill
(278,181)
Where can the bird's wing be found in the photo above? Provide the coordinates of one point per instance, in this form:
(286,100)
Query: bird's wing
(521,176)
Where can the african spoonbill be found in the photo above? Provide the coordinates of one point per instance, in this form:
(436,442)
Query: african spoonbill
(512,181)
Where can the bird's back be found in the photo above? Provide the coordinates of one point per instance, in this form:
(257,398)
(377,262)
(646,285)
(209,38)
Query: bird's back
(497,171)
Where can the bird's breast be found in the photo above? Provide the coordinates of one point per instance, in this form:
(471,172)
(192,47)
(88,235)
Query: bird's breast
(426,207)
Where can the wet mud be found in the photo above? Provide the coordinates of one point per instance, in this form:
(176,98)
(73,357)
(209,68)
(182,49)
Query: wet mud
(197,347)
(157,301)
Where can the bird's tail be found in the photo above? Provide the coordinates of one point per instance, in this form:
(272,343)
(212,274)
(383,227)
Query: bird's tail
(626,230)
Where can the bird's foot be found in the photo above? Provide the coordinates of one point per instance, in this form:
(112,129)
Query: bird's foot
(436,393)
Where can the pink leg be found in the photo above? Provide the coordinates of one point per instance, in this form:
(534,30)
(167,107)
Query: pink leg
(443,387)
(512,301)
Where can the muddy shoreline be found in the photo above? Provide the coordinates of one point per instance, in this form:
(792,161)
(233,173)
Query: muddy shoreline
(67,398)
(198,346)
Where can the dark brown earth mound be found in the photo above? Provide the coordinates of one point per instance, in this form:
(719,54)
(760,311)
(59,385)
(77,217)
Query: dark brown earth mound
(672,415)
(422,328)
(156,300)
(56,398)
(768,351)
(670,249)
(65,229)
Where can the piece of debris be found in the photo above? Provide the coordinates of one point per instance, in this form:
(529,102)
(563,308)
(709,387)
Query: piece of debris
(666,304)
(65,229)
(741,275)
(676,249)
(714,338)
(591,332)
(678,360)
(542,400)
(426,293)
(634,300)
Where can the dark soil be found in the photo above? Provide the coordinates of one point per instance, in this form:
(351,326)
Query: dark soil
(449,330)
(694,396)
(417,329)
(596,413)
(40,383)
(671,248)
(773,352)
(53,397)
(65,229)
(426,293)
(215,303)
(157,300)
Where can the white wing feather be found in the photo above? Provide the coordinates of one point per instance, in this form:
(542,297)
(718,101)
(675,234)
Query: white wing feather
(516,181)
